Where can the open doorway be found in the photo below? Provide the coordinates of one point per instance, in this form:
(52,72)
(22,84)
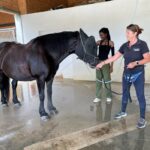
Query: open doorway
(8,33)
(7,27)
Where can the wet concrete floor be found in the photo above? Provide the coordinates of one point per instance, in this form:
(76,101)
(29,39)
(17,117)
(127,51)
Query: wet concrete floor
(21,127)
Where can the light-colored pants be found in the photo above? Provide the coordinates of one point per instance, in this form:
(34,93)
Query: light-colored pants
(100,78)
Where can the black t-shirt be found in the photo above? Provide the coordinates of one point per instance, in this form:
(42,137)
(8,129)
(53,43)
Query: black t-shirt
(134,53)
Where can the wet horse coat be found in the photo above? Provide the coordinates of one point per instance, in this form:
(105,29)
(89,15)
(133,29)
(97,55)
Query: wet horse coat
(40,58)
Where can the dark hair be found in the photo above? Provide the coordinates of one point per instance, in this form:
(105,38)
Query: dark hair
(135,28)
(105,31)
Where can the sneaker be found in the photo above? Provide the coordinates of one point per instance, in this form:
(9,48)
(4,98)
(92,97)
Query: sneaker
(96,100)
(120,115)
(141,123)
(109,100)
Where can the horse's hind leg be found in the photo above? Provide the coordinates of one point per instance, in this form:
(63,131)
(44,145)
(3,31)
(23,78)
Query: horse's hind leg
(4,87)
(50,105)
(15,98)
(41,87)
(3,97)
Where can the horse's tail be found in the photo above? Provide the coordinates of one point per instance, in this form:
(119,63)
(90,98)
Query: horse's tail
(5,83)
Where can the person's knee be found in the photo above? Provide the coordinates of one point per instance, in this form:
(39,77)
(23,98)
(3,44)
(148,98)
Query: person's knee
(141,98)
(124,101)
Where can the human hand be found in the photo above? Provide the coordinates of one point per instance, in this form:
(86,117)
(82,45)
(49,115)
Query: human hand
(100,65)
(131,65)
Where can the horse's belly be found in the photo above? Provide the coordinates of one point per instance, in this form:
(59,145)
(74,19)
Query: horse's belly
(19,72)
(22,78)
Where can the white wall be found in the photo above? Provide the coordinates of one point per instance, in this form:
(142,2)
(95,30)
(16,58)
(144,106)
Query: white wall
(115,15)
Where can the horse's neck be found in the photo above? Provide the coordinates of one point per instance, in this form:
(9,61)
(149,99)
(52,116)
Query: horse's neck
(67,47)
(65,55)
(71,50)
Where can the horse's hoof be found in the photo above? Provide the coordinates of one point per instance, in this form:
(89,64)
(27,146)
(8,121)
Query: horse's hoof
(17,104)
(45,118)
(53,112)
(56,111)
(4,105)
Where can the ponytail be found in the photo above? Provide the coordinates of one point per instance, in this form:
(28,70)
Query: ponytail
(135,28)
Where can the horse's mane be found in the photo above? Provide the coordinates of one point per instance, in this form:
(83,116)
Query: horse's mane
(60,34)
(55,38)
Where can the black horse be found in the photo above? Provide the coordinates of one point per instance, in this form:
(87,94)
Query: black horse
(39,60)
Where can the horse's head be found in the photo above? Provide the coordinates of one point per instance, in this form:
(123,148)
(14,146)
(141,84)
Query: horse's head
(87,51)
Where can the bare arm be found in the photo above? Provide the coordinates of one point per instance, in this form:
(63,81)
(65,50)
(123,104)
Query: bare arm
(111,44)
(113,58)
(146,59)
(109,60)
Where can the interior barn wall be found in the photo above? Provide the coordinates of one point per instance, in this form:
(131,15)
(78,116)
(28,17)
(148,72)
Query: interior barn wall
(115,15)
(6,20)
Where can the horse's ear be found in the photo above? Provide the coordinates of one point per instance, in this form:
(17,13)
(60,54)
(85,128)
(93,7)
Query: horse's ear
(84,36)
(90,41)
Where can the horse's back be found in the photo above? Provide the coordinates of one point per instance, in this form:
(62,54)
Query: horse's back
(23,62)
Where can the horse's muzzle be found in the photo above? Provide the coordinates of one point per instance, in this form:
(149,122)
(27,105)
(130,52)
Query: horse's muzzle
(94,63)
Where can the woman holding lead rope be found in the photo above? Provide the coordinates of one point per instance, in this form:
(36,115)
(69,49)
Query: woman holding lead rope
(136,54)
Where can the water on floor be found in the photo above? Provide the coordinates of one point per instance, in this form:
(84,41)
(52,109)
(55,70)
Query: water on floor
(21,126)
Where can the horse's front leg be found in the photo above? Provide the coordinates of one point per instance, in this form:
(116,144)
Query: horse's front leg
(50,105)
(41,87)
(14,87)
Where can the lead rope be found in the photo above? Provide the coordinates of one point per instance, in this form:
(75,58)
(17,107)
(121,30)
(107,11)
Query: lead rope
(105,82)
(128,89)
